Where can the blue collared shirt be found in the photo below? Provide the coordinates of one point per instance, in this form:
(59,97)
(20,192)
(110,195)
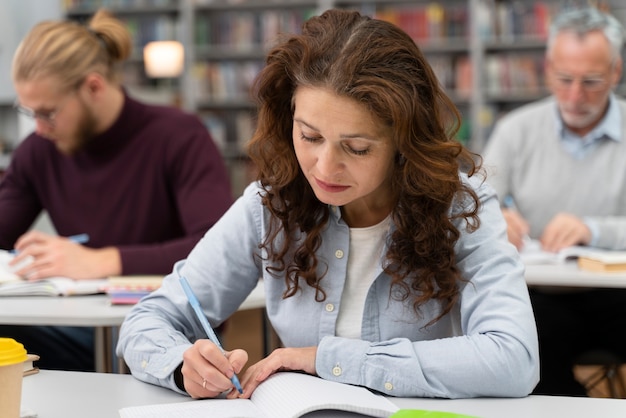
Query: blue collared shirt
(609,128)
(486,346)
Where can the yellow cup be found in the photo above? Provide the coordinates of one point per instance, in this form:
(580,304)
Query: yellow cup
(12,358)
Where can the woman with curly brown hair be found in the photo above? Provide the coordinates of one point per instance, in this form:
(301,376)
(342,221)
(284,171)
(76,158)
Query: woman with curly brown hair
(384,258)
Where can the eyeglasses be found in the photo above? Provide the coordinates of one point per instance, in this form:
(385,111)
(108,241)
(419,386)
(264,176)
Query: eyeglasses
(591,84)
(46,116)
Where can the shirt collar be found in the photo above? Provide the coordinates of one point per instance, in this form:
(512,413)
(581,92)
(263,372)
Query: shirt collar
(609,127)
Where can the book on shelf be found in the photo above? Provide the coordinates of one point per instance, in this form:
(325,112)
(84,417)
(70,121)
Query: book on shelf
(509,74)
(246,31)
(144,29)
(463,77)
(13,285)
(128,290)
(431,22)
(282,395)
(603,261)
(224,81)
(444,69)
(216,126)
(29,364)
(514,20)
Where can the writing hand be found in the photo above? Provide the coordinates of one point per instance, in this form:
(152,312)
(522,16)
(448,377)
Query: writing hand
(207,371)
(52,255)
(281,359)
(517,227)
(564,230)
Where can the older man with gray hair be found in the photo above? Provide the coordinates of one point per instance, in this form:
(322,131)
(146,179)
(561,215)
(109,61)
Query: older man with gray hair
(562,161)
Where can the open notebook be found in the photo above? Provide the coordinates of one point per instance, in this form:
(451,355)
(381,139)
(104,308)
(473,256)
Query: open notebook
(282,395)
(532,253)
(13,285)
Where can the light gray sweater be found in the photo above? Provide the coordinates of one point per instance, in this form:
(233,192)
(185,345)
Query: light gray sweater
(525,158)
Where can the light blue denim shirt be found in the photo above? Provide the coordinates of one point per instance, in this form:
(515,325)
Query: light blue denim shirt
(486,346)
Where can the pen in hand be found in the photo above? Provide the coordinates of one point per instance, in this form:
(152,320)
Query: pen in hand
(195,304)
(509,203)
(78,239)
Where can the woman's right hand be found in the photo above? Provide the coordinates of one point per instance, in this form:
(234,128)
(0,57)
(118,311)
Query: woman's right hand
(207,371)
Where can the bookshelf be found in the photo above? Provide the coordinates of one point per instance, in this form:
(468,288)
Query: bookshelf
(488,54)
(226,41)
(443,32)
(509,56)
(26,13)
(230,40)
(147,20)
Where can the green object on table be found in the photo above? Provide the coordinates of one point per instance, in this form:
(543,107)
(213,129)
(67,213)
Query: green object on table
(422,413)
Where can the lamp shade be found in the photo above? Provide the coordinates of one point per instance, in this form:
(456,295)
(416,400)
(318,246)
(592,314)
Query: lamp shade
(164,59)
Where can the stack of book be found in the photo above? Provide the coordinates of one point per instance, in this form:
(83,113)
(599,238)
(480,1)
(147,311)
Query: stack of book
(128,290)
(603,261)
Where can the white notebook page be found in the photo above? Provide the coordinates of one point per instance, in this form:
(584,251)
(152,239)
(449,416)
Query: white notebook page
(283,395)
(294,394)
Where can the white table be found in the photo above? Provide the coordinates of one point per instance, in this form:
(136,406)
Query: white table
(56,394)
(96,311)
(86,311)
(82,311)
(568,274)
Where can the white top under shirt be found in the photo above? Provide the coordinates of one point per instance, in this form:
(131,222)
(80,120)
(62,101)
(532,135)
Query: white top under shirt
(366,247)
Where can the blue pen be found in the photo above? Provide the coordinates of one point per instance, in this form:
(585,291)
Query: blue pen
(509,203)
(195,304)
(78,239)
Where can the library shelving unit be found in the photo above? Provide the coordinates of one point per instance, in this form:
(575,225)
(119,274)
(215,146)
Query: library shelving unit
(16,18)
(9,133)
(488,54)
(510,40)
(229,43)
(147,20)
(225,42)
(230,40)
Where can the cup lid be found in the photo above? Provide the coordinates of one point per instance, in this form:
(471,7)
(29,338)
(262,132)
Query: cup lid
(11,352)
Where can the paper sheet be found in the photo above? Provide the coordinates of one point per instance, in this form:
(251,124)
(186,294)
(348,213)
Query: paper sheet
(532,253)
(13,285)
(283,395)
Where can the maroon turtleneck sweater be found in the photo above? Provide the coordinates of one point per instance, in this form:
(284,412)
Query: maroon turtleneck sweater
(151,185)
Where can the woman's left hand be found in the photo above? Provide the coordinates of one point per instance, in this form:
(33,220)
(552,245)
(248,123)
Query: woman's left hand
(281,359)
